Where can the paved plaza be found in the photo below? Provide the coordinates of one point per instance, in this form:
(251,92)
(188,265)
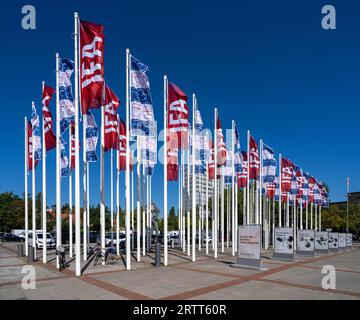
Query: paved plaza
(207,278)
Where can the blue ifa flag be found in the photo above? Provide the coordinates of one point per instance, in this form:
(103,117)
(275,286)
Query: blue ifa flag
(36,137)
(91,137)
(64,160)
(269,164)
(237,151)
(142,122)
(66,99)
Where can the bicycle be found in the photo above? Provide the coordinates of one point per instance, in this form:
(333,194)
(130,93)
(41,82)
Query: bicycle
(109,256)
(61,253)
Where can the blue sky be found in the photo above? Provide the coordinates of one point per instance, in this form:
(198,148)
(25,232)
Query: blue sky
(266,64)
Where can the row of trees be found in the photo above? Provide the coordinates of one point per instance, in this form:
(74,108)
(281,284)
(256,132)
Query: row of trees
(12,215)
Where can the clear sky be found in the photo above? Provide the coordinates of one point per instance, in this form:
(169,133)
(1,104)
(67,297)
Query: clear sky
(266,64)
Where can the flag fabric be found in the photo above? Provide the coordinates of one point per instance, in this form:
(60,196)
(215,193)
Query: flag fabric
(268,165)
(72,144)
(147,150)
(294,190)
(227,169)
(242,176)
(211,162)
(172,164)
(111,137)
(142,120)
(270,189)
(254,166)
(66,99)
(122,147)
(311,184)
(36,134)
(91,137)
(305,187)
(64,160)
(237,152)
(324,195)
(177,117)
(286,174)
(277,188)
(50,138)
(29,143)
(221,147)
(317,195)
(91,65)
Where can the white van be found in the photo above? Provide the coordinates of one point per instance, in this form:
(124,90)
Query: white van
(50,241)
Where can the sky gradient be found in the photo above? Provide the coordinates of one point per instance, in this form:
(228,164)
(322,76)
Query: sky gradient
(266,64)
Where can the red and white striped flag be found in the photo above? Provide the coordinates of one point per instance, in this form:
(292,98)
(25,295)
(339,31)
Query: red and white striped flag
(242,176)
(111,137)
(287,168)
(254,166)
(30,147)
(221,146)
(50,138)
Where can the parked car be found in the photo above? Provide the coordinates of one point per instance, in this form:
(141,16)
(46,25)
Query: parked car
(2,235)
(8,237)
(174,239)
(50,241)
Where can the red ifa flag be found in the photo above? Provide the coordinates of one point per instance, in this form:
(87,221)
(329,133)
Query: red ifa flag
(254,166)
(50,138)
(91,65)
(221,147)
(242,176)
(287,169)
(311,184)
(172,164)
(111,137)
(300,183)
(30,147)
(122,147)
(211,163)
(270,189)
(177,117)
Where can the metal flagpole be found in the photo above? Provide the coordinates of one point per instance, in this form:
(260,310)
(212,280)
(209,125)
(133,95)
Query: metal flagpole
(280,193)
(207,206)
(58,177)
(188,195)
(102,191)
(142,206)
(165,173)
(132,207)
(215,210)
(307,214)
(200,210)
(316,222)
(118,197)
(112,196)
(26,188)
(33,197)
(301,214)
(236,216)
(222,186)
(260,221)
(288,210)
(44,227)
(319,218)
(77,155)
(138,209)
(182,201)
(233,189)
(227,216)
(248,179)
(147,214)
(311,215)
(193,182)
(84,116)
(70,199)
(273,223)
(347,203)
(127,171)
(88,205)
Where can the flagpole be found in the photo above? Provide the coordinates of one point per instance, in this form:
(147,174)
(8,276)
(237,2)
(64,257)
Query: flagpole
(307,215)
(44,227)
(70,198)
(58,177)
(315,216)
(288,210)
(84,119)
(26,188)
(138,209)
(273,224)
(77,155)
(261,221)
(200,211)
(233,189)
(301,214)
(132,208)
(248,179)
(112,195)
(193,181)
(207,206)
(311,215)
(165,173)
(118,195)
(227,215)
(33,195)
(319,218)
(280,193)
(188,194)
(142,206)
(88,205)
(236,216)
(215,209)
(127,171)
(182,200)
